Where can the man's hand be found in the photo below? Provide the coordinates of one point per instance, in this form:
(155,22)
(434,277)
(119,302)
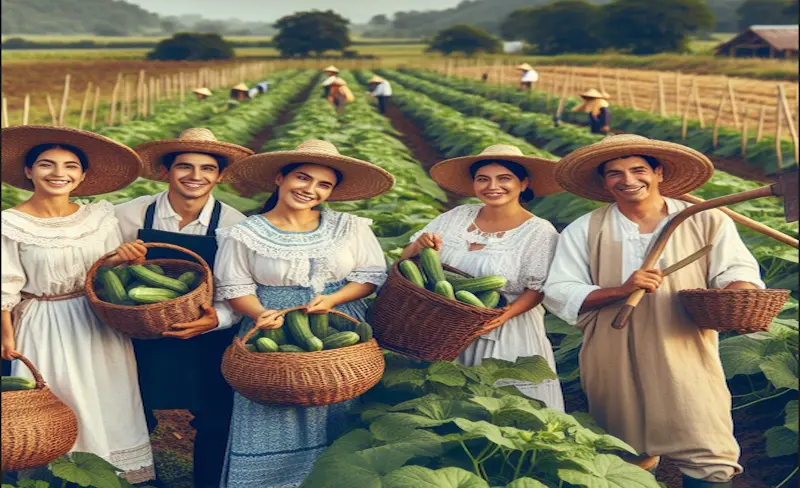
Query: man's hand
(129,252)
(429,239)
(321,304)
(187,330)
(649,280)
(269,319)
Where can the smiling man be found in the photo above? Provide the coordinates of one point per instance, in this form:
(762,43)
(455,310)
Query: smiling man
(182,370)
(657,384)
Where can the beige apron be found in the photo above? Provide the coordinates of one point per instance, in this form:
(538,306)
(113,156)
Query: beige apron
(658,384)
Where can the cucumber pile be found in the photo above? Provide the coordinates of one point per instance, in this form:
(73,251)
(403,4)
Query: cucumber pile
(303,332)
(16,383)
(138,284)
(479,292)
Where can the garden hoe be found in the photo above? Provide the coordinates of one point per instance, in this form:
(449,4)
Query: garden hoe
(785,187)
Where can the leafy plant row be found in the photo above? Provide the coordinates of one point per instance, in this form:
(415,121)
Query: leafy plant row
(648,124)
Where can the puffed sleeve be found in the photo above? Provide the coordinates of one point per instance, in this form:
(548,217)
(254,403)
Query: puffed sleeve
(537,256)
(232,277)
(13,275)
(370,264)
(439,224)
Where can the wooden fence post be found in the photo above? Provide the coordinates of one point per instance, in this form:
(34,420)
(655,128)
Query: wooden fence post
(778,127)
(5,112)
(630,93)
(128,111)
(52,109)
(85,105)
(788,114)
(677,92)
(718,119)
(62,114)
(744,134)
(182,89)
(734,108)
(619,89)
(761,117)
(26,109)
(698,105)
(112,115)
(95,106)
(662,102)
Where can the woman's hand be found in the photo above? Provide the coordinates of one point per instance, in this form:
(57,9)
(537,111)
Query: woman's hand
(8,344)
(321,304)
(497,322)
(429,239)
(129,252)
(269,319)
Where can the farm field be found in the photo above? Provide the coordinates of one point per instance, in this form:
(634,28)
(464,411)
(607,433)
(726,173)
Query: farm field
(434,116)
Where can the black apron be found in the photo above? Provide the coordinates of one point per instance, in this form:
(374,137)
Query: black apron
(177,373)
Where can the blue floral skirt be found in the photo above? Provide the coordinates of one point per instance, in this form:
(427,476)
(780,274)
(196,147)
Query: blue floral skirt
(275,446)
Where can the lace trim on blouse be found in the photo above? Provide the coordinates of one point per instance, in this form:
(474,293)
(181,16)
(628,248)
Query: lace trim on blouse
(374,275)
(89,221)
(226,292)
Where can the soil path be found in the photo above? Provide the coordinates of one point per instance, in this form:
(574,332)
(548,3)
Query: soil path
(285,116)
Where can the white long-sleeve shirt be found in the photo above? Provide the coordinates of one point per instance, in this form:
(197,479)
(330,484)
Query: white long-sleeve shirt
(131,218)
(530,77)
(569,281)
(384,89)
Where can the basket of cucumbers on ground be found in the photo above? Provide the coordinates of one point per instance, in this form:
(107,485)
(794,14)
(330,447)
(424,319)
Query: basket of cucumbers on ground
(144,300)
(432,312)
(313,359)
(37,426)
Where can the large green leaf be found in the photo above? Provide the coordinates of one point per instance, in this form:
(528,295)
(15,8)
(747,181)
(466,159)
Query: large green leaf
(420,477)
(781,370)
(741,355)
(791,416)
(609,471)
(781,441)
(484,429)
(86,469)
(446,373)
(526,483)
(531,369)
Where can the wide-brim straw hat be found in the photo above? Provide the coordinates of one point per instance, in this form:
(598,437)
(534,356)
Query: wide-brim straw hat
(194,140)
(453,174)
(684,168)
(524,67)
(331,69)
(202,91)
(241,87)
(375,79)
(360,179)
(112,165)
(593,93)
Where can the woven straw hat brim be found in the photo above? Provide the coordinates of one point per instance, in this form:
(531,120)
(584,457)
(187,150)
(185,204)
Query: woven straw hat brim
(453,174)
(112,165)
(331,69)
(360,180)
(152,153)
(684,168)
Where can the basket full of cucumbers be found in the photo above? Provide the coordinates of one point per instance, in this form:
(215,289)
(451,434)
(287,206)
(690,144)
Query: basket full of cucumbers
(433,312)
(313,359)
(144,300)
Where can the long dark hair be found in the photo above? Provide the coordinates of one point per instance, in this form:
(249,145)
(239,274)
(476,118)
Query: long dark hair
(272,201)
(517,169)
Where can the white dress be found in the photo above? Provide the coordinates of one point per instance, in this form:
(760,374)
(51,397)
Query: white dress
(521,255)
(88,365)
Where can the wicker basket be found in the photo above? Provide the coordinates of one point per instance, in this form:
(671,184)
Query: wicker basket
(302,379)
(37,427)
(742,311)
(149,321)
(425,325)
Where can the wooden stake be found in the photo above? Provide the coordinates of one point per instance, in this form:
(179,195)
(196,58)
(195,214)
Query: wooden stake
(718,119)
(128,114)
(677,92)
(744,135)
(778,127)
(182,84)
(64,100)
(145,99)
(85,105)
(697,104)
(734,108)
(788,114)
(619,89)
(95,106)
(761,117)
(600,81)
(112,116)
(141,99)
(662,102)
(26,109)
(5,112)
(630,94)
(52,109)
(153,95)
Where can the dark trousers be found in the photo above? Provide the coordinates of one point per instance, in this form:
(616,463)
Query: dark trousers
(383,102)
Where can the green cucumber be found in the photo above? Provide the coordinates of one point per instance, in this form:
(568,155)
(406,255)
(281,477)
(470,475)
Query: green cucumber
(483,283)
(445,289)
(290,348)
(318,323)
(431,265)
(113,287)
(489,298)
(342,339)
(411,272)
(468,298)
(155,279)
(341,324)
(250,348)
(277,335)
(123,273)
(188,278)
(155,269)
(364,331)
(16,383)
(145,294)
(265,344)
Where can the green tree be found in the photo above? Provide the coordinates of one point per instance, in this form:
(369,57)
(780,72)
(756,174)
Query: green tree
(647,27)
(763,12)
(380,20)
(186,46)
(792,11)
(561,27)
(303,33)
(466,39)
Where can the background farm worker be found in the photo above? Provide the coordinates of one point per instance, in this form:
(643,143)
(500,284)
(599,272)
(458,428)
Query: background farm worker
(262,87)
(340,94)
(295,253)
(595,104)
(382,90)
(202,93)
(331,72)
(624,373)
(500,237)
(239,93)
(181,370)
(49,244)
(529,77)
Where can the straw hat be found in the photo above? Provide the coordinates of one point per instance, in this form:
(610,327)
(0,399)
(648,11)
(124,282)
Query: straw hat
(338,81)
(361,180)
(194,140)
(524,67)
(331,69)
(593,93)
(453,174)
(240,87)
(202,91)
(112,166)
(685,169)
(375,79)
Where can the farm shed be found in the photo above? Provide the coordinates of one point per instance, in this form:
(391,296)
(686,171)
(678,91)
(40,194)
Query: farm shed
(763,41)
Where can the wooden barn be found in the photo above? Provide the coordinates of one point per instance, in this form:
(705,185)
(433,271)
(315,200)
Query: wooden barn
(763,41)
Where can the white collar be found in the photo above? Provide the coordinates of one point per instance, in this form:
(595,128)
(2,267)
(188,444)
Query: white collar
(165,211)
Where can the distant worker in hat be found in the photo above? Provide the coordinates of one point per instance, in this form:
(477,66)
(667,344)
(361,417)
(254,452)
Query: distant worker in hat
(340,94)
(657,384)
(331,72)
(239,93)
(529,77)
(202,93)
(261,88)
(595,104)
(382,90)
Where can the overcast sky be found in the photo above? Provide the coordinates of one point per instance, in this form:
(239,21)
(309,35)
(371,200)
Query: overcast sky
(358,11)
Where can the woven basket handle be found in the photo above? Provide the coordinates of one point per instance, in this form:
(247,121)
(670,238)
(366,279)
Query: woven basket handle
(40,384)
(250,333)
